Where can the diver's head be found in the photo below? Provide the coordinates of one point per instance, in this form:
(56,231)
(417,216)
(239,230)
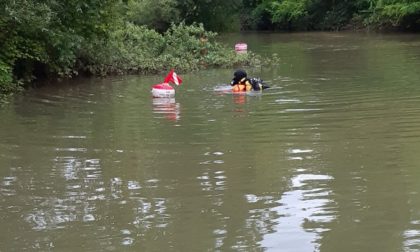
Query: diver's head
(238,75)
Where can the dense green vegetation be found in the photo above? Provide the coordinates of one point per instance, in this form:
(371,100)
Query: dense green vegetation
(333,14)
(54,39)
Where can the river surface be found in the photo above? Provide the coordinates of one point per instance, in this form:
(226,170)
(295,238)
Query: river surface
(325,160)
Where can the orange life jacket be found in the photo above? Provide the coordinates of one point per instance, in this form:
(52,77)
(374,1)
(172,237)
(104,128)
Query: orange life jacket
(242,86)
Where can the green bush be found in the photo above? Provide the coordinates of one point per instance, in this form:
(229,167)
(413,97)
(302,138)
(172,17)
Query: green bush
(7,84)
(6,77)
(137,49)
(402,14)
(50,39)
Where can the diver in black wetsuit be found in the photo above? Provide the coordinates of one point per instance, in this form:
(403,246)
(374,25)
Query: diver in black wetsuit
(241,82)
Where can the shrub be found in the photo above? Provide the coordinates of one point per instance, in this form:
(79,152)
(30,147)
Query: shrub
(137,49)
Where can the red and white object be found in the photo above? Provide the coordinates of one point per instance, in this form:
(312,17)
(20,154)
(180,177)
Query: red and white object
(163,90)
(173,77)
(241,47)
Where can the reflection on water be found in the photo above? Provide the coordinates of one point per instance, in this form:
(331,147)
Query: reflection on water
(86,197)
(324,160)
(302,211)
(412,237)
(83,187)
(167,107)
(239,99)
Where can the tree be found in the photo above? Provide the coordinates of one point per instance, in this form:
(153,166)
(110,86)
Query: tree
(216,15)
(156,14)
(39,38)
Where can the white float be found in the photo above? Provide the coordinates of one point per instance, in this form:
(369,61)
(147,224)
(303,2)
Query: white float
(163,90)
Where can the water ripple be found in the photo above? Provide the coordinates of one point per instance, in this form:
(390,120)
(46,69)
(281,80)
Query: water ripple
(303,212)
